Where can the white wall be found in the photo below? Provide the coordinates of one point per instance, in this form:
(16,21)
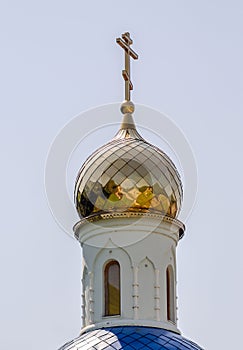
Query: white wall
(143,266)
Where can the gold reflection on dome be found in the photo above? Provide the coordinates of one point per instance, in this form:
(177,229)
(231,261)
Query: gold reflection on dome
(128,176)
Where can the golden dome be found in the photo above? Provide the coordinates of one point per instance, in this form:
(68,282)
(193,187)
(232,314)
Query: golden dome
(128,174)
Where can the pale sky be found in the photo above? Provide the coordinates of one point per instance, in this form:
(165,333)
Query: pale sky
(60,58)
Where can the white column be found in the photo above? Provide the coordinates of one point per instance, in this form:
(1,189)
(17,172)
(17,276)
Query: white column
(157,296)
(135,293)
(91,297)
(83,308)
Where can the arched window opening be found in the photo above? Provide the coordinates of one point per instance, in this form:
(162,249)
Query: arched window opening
(170,290)
(112,288)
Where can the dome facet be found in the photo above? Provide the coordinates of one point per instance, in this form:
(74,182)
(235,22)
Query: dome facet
(128,174)
(130,337)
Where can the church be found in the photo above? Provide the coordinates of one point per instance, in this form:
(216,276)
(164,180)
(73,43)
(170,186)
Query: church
(128,195)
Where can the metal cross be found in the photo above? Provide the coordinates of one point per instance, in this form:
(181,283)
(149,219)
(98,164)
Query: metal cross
(125,43)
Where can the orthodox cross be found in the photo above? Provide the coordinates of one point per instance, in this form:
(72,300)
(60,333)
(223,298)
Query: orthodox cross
(125,43)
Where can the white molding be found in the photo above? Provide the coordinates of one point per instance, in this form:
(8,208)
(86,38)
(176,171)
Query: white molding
(116,322)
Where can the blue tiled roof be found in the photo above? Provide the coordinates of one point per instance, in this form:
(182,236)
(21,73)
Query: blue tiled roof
(130,338)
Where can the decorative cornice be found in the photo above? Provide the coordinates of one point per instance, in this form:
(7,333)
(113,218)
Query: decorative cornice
(127,214)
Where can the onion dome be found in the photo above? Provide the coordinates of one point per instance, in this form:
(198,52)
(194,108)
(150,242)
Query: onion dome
(130,337)
(128,174)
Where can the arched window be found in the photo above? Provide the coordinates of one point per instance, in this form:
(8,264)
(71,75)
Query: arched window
(112,288)
(170,289)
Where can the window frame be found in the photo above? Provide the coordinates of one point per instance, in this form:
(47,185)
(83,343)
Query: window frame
(107,297)
(170,294)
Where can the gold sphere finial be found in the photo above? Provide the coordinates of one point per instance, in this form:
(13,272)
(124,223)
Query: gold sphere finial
(127,107)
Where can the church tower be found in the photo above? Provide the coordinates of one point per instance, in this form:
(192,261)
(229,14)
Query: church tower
(128,195)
